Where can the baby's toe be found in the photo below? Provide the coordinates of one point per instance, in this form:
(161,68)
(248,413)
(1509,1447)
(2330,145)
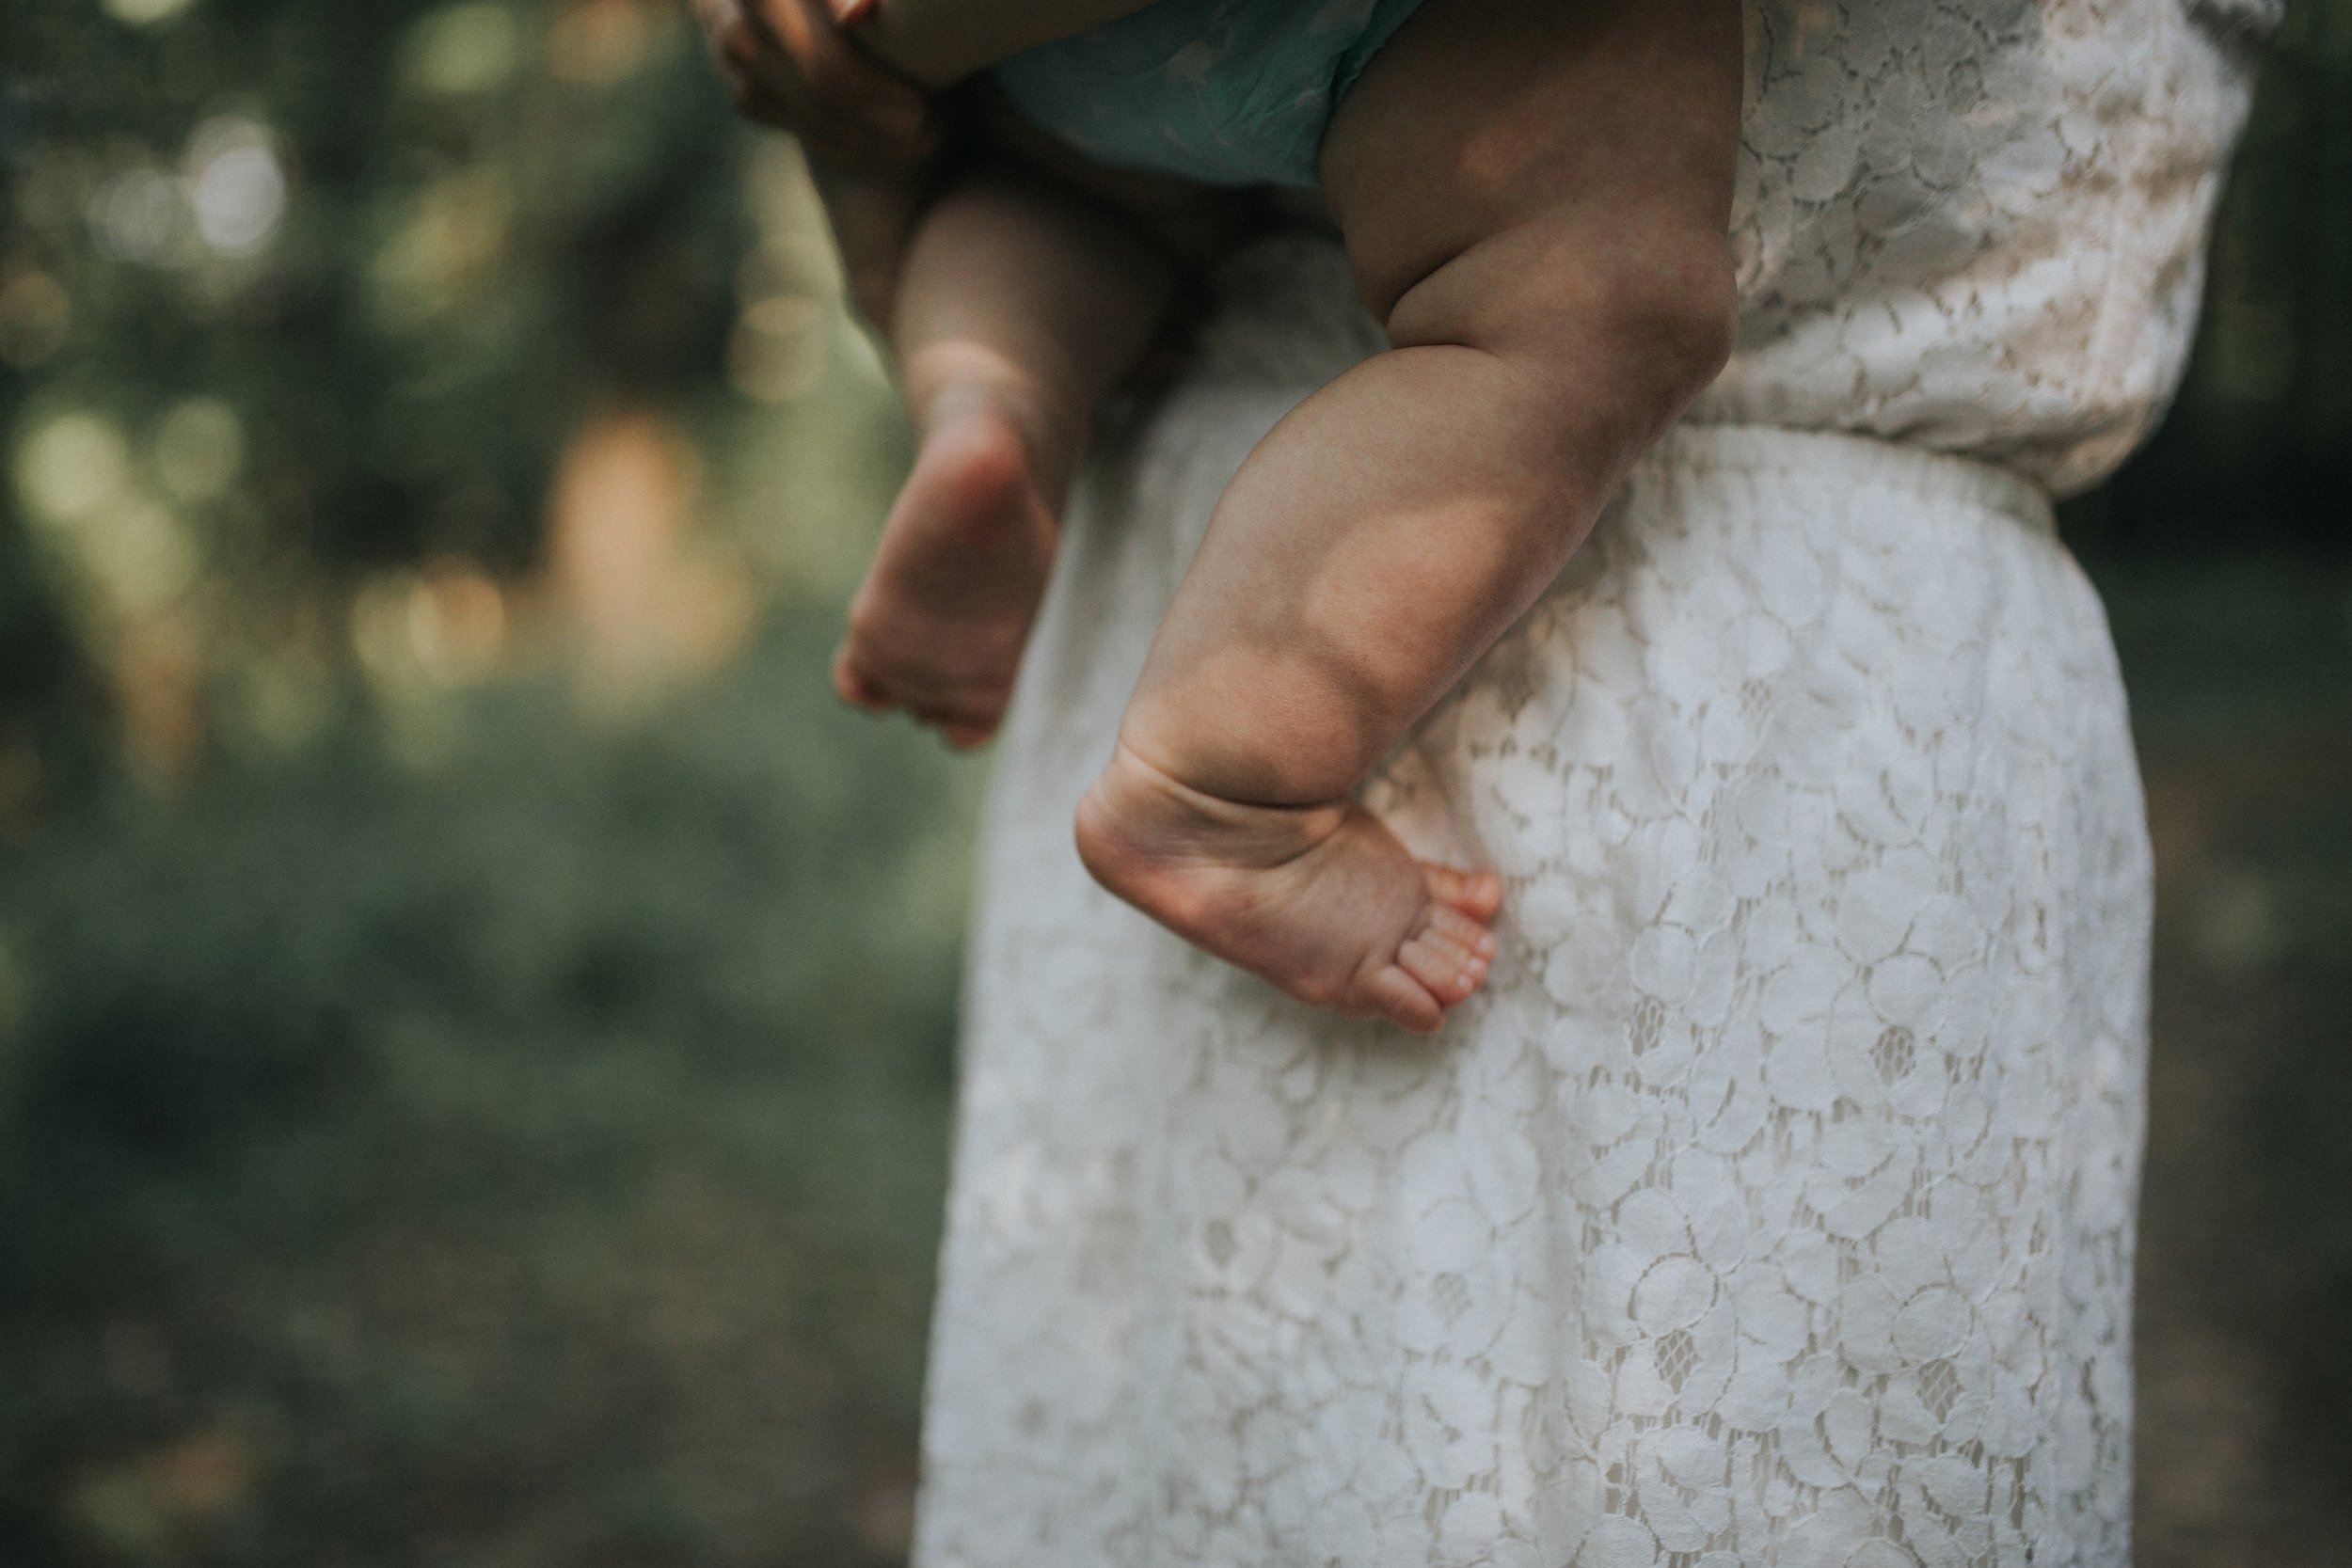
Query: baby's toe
(1477,895)
(959,725)
(1399,996)
(854,686)
(1460,928)
(964,736)
(1451,968)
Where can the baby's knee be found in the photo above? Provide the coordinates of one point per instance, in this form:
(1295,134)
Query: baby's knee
(1673,306)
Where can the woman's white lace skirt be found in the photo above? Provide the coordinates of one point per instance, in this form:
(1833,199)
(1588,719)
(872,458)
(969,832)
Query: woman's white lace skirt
(1773,1203)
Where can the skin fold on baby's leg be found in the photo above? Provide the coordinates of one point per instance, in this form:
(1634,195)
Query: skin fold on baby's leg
(1535,198)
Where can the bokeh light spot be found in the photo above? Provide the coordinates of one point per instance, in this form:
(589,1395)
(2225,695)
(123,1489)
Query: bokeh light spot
(236,188)
(777,352)
(138,215)
(451,242)
(456,622)
(73,467)
(144,13)
(199,450)
(597,43)
(141,555)
(464,49)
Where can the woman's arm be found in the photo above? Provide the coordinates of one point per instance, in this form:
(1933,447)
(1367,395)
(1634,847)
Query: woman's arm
(939,42)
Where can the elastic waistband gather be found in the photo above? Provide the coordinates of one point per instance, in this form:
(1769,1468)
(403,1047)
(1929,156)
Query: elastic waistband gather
(1870,460)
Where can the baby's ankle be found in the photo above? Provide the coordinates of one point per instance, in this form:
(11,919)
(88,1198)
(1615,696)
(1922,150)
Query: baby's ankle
(1139,809)
(1050,440)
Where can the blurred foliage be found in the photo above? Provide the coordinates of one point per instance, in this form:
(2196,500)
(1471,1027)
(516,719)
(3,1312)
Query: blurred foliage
(402,245)
(532,1161)
(475,1016)
(474,1012)
(296,296)
(2240,669)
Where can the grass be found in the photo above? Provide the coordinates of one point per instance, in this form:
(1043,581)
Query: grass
(532,1161)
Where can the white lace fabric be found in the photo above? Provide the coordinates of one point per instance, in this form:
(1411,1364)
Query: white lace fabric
(1772,1205)
(1979,225)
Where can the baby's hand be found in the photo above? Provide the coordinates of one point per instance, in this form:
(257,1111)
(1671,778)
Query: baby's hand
(792,64)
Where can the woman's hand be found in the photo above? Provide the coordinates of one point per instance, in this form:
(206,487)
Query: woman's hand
(868,131)
(790,64)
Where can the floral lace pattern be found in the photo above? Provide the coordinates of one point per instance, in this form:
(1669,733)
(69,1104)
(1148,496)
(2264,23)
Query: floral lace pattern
(1774,1204)
(1979,225)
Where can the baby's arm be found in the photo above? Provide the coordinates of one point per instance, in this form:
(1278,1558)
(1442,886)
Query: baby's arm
(939,41)
(1534,198)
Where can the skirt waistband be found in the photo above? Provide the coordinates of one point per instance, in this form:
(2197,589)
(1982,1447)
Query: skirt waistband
(1920,471)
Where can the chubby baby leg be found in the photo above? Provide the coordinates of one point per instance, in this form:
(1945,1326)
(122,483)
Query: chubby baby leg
(1018,308)
(1535,198)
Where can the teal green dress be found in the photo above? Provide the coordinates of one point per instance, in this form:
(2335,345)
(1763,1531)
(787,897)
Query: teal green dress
(1225,93)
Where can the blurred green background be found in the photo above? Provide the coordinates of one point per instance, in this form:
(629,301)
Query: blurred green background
(476,1016)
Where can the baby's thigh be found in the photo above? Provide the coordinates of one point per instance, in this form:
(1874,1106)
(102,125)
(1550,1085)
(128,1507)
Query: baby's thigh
(1194,222)
(1613,123)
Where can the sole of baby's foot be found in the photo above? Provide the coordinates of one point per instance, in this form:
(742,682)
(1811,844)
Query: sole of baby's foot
(1322,900)
(938,626)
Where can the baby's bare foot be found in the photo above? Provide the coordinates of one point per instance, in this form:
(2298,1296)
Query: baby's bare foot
(938,626)
(1322,900)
